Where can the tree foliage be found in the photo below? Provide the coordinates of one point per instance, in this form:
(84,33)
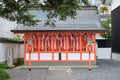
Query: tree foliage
(19,10)
(4,75)
(103,9)
(106,24)
(86,2)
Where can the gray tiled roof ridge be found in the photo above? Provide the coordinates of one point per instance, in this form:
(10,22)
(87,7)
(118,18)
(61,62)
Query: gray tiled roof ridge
(85,20)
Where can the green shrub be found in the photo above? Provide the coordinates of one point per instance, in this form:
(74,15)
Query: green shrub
(4,66)
(4,75)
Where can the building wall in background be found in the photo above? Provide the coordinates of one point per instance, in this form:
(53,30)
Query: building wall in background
(6,27)
(17,52)
(116,30)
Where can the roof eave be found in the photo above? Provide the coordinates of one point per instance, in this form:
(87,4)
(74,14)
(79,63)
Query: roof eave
(22,31)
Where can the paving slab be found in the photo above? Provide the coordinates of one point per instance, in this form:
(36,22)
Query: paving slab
(106,70)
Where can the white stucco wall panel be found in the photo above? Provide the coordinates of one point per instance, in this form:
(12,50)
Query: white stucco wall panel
(85,56)
(74,56)
(46,56)
(104,53)
(34,56)
(4,51)
(21,51)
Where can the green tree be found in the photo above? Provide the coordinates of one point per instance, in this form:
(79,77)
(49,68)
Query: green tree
(103,9)
(19,10)
(107,25)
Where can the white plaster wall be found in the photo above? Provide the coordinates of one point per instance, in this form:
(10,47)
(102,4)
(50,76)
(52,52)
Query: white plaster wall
(15,49)
(21,51)
(71,56)
(115,4)
(74,56)
(34,56)
(104,53)
(3,51)
(2,55)
(6,27)
(85,56)
(116,56)
(99,37)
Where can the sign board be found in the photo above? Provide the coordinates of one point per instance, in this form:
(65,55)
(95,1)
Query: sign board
(89,42)
(29,41)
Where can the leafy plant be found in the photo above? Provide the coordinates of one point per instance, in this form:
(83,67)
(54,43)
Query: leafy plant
(4,75)
(106,25)
(4,66)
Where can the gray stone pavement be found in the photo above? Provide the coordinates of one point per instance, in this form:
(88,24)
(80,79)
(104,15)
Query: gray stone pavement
(106,70)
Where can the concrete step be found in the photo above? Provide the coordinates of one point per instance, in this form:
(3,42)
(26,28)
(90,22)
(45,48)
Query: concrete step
(70,64)
(54,67)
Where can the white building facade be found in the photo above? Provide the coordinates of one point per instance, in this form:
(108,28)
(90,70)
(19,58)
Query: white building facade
(8,49)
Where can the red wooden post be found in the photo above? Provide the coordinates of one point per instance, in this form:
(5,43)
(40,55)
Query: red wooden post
(89,63)
(67,46)
(29,48)
(45,42)
(24,47)
(94,47)
(80,46)
(89,47)
(30,64)
(52,46)
(38,46)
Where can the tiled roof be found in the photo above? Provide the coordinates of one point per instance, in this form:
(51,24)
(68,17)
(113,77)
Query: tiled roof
(86,20)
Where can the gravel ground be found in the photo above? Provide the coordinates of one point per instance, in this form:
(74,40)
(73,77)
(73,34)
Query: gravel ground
(106,70)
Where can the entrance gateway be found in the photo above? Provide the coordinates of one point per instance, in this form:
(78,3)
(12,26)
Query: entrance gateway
(73,40)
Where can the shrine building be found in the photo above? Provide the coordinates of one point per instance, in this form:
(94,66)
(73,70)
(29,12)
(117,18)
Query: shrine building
(73,40)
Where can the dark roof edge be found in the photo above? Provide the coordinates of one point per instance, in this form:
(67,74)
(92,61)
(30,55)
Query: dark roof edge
(58,30)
